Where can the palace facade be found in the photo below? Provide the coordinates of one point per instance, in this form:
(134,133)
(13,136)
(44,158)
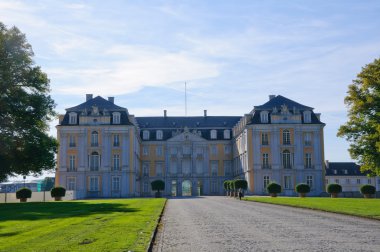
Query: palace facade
(106,152)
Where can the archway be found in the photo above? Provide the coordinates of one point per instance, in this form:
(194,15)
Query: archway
(186,188)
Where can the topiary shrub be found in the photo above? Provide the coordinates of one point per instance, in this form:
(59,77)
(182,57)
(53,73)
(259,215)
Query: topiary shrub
(58,192)
(158,185)
(273,189)
(302,189)
(226,186)
(23,194)
(334,189)
(367,190)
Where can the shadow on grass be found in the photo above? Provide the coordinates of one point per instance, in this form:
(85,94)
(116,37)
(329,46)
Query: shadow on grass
(58,210)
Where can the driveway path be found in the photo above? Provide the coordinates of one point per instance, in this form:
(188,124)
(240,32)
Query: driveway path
(224,224)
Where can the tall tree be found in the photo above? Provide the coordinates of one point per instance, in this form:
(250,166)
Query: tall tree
(362,129)
(25,109)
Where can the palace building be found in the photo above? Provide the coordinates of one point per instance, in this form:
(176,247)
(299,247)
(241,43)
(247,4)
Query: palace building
(106,152)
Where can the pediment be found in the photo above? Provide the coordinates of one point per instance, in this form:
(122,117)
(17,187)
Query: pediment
(187,136)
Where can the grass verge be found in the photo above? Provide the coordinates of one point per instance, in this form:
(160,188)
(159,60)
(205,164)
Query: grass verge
(369,208)
(86,225)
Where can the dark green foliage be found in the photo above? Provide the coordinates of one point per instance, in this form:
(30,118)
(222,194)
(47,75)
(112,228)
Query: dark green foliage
(241,184)
(24,193)
(226,185)
(302,188)
(158,185)
(274,188)
(367,189)
(25,109)
(58,192)
(362,128)
(334,188)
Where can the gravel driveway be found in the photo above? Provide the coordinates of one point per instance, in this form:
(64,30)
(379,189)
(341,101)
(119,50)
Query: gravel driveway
(225,224)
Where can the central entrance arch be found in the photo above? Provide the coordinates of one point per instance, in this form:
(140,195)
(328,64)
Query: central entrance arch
(186,188)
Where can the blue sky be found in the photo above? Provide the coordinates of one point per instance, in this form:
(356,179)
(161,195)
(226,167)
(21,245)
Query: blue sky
(232,54)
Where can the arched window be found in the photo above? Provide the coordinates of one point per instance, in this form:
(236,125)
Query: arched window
(226,134)
(94,161)
(307,117)
(116,118)
(286,162)
(264,116)
(146,135)
(159,134)
(213,134)
(94,139)
(286,137)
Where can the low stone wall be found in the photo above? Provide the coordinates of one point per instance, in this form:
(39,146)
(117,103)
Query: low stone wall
(36,197)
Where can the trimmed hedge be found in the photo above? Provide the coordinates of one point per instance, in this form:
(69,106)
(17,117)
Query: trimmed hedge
(367,189)
(226,185)
(302,188)
(58,191)
(23,193)
(334,188)
(274,188)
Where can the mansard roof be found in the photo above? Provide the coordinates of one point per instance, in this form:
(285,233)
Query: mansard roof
(343,169)
(99,102)
(280,100)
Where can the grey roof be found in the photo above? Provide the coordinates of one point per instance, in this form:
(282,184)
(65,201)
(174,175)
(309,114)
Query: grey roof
(281,100)
(341,168)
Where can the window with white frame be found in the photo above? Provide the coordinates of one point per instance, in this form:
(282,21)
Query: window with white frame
(116,118)
(158,169)
(308,160)
(72,163)
(213,134)
(159,134)
(307,139)
(116,140)
(309,181)
(286,137)
(266,181)
(94,161)
(264,116)
(146,187)
(264,138)
(116,162)
(94,139)
(286,161)
(227,134)
(72,141)
(214,150)
(337,181)
(115,184)
(94,184)
(307,117)
(145,169)
(145,151)
(265,160)
(214,187)
(72,118)
(146,134)
(227,149)
(214,168)
(227,167)
(159,150)
(287,182)
(71,183)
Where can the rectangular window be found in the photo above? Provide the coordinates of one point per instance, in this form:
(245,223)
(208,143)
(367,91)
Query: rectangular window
(308,160)
(286,137)
(158,169)
(264,139)
(94,184)
(309,181)
(266,181)
(307,139)
(186,150)
(358,181)
(337,181)
(214,168)
(72,163)
(72,141)
(145,169)
(227,149)
(369,181)
(159,150)
(145,150)
(116,162)
(116,140)
(347,181)
(214,150)
(266,161)
(116,118)
(287,182)
(71,183)
(94,162)
(214,187)
(146,187)
(174,188)
(115,183)
(226,134)
(227,167)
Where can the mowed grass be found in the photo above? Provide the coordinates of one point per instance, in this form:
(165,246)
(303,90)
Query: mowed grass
(369,208)
(87,225)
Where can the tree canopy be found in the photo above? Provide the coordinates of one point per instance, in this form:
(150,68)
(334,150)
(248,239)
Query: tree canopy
(158,185)
(25,109)
(362,129)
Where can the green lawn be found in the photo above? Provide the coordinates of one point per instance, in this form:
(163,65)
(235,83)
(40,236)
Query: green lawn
(369,208)
(86,225)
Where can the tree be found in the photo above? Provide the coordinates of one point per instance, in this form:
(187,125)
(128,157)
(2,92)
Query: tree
(241,184)
(158,185)
(25,109)
(362,129)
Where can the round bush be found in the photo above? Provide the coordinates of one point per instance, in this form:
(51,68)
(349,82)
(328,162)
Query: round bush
(158,185)
(226,185)
(302,188)
(368,189)
(274,188)
(241,184)
(58,192)
(24,193)
(334,188)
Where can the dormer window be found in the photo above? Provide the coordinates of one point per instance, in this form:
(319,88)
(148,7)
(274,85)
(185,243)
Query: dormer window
(264,117)
(146,135)
(335,171)
(116,118)
(159,134)
(226,134)
(73,118)
(307,117)
(213,134)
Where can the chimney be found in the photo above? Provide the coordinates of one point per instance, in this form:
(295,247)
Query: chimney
(111,99)
(165,114)
(271,96)
(88,97)
(205,112)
